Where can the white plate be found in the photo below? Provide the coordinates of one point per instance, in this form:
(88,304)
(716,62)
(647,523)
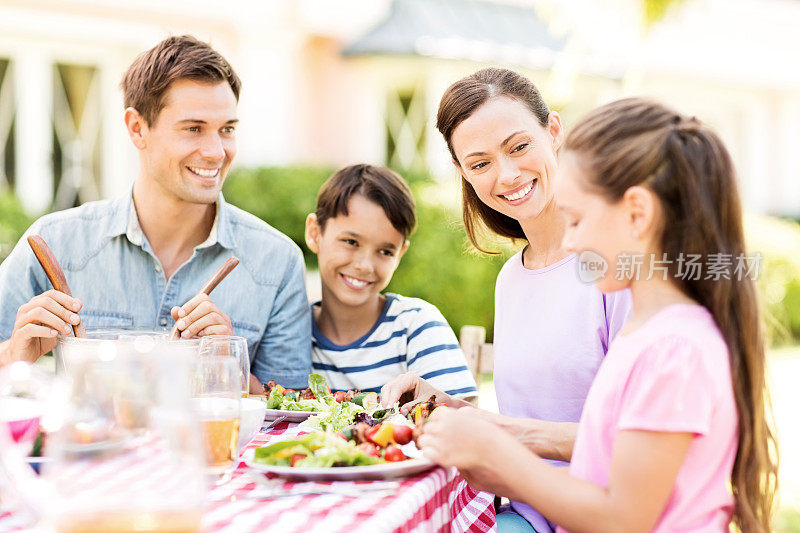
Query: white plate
(291,416)
(343,473)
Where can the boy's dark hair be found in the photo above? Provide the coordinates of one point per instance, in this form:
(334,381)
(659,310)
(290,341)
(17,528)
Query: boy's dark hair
(151,74)
(379,185)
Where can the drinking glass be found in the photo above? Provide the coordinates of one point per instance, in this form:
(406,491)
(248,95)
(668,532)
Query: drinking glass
(230,345)
(121,453)
(217,395)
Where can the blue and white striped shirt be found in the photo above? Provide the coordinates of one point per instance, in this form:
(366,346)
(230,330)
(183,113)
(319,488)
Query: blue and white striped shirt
(410,335)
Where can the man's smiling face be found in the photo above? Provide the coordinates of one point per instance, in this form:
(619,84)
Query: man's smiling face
(189,147)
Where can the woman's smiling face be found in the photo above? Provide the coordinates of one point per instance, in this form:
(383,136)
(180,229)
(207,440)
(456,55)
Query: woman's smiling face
(508,157)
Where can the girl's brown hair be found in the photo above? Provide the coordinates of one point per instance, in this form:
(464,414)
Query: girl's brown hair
(459,102)
(639,142)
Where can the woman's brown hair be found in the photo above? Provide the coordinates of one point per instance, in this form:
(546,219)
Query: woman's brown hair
(458,103)
(639,142)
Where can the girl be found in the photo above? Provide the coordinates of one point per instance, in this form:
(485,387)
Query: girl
(673,436)
(551,330)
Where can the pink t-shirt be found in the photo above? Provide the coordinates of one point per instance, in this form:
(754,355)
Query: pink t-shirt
(672,374)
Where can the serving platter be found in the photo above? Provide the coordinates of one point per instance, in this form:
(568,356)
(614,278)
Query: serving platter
(405,468)
(291,416)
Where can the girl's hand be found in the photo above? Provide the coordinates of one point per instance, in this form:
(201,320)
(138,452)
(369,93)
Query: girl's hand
(477,447)
(201,316)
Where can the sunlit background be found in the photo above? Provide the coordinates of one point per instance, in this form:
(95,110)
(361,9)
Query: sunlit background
(328,83)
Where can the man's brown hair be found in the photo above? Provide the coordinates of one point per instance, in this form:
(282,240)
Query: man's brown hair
(377,184)
(147,80)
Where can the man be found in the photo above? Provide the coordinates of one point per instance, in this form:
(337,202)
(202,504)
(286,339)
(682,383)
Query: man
(139,260)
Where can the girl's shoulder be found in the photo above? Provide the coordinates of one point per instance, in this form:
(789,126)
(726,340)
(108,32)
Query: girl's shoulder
(681,338)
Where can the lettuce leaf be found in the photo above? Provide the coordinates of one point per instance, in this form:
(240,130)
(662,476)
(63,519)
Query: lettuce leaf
(275,399)
(336,418)
(321,450)
(319,386)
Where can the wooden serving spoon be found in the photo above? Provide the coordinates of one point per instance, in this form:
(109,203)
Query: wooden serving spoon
(54,273)
(212,283)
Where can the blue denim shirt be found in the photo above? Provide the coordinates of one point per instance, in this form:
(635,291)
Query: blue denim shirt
(112,269)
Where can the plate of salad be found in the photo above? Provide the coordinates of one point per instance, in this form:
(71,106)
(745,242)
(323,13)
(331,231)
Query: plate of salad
(297,406)
(360,452)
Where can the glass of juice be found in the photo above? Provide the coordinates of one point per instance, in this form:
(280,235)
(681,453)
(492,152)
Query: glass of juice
(217,390)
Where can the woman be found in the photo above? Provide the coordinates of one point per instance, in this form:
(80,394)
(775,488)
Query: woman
(552,330)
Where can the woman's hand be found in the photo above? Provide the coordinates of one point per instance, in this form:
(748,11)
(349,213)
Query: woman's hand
(408,382)
(201,316)
(550,440)
(420,389)
(478,448)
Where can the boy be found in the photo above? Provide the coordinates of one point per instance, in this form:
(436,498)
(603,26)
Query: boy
(362,339)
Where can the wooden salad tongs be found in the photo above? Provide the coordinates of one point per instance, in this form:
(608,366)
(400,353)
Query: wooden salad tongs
(54,273)
(212,283)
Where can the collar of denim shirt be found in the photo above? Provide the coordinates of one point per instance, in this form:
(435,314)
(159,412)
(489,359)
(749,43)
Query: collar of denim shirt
(221,231)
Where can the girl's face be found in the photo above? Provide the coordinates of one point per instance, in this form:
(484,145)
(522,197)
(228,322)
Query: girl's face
(508,157)
(605,236)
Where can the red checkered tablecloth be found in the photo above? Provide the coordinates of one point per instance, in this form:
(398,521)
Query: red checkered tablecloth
(437,500)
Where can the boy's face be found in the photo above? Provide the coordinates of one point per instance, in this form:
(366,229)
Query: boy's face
(190,146)
(357,252)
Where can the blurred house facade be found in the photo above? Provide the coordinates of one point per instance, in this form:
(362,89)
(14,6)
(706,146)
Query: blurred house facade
(360,80)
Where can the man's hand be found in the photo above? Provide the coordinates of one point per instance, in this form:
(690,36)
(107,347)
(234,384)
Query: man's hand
(39,322)
(256,387)
(200,316)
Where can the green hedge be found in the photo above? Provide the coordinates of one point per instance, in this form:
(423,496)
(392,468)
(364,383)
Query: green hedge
(281,196)
(779,279)
(436,267)
(13,222)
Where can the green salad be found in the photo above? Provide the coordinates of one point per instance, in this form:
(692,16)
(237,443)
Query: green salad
(335,411)
(316,398)
(321,450)
(337,417)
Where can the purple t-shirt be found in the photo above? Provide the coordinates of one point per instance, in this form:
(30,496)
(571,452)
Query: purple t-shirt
(551,332)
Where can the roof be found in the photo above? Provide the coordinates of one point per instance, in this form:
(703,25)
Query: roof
(461,29)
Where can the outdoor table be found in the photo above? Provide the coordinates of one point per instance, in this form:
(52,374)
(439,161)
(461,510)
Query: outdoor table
(436,500)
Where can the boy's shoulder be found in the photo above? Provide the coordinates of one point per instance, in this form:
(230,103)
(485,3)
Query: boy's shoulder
(405,309)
